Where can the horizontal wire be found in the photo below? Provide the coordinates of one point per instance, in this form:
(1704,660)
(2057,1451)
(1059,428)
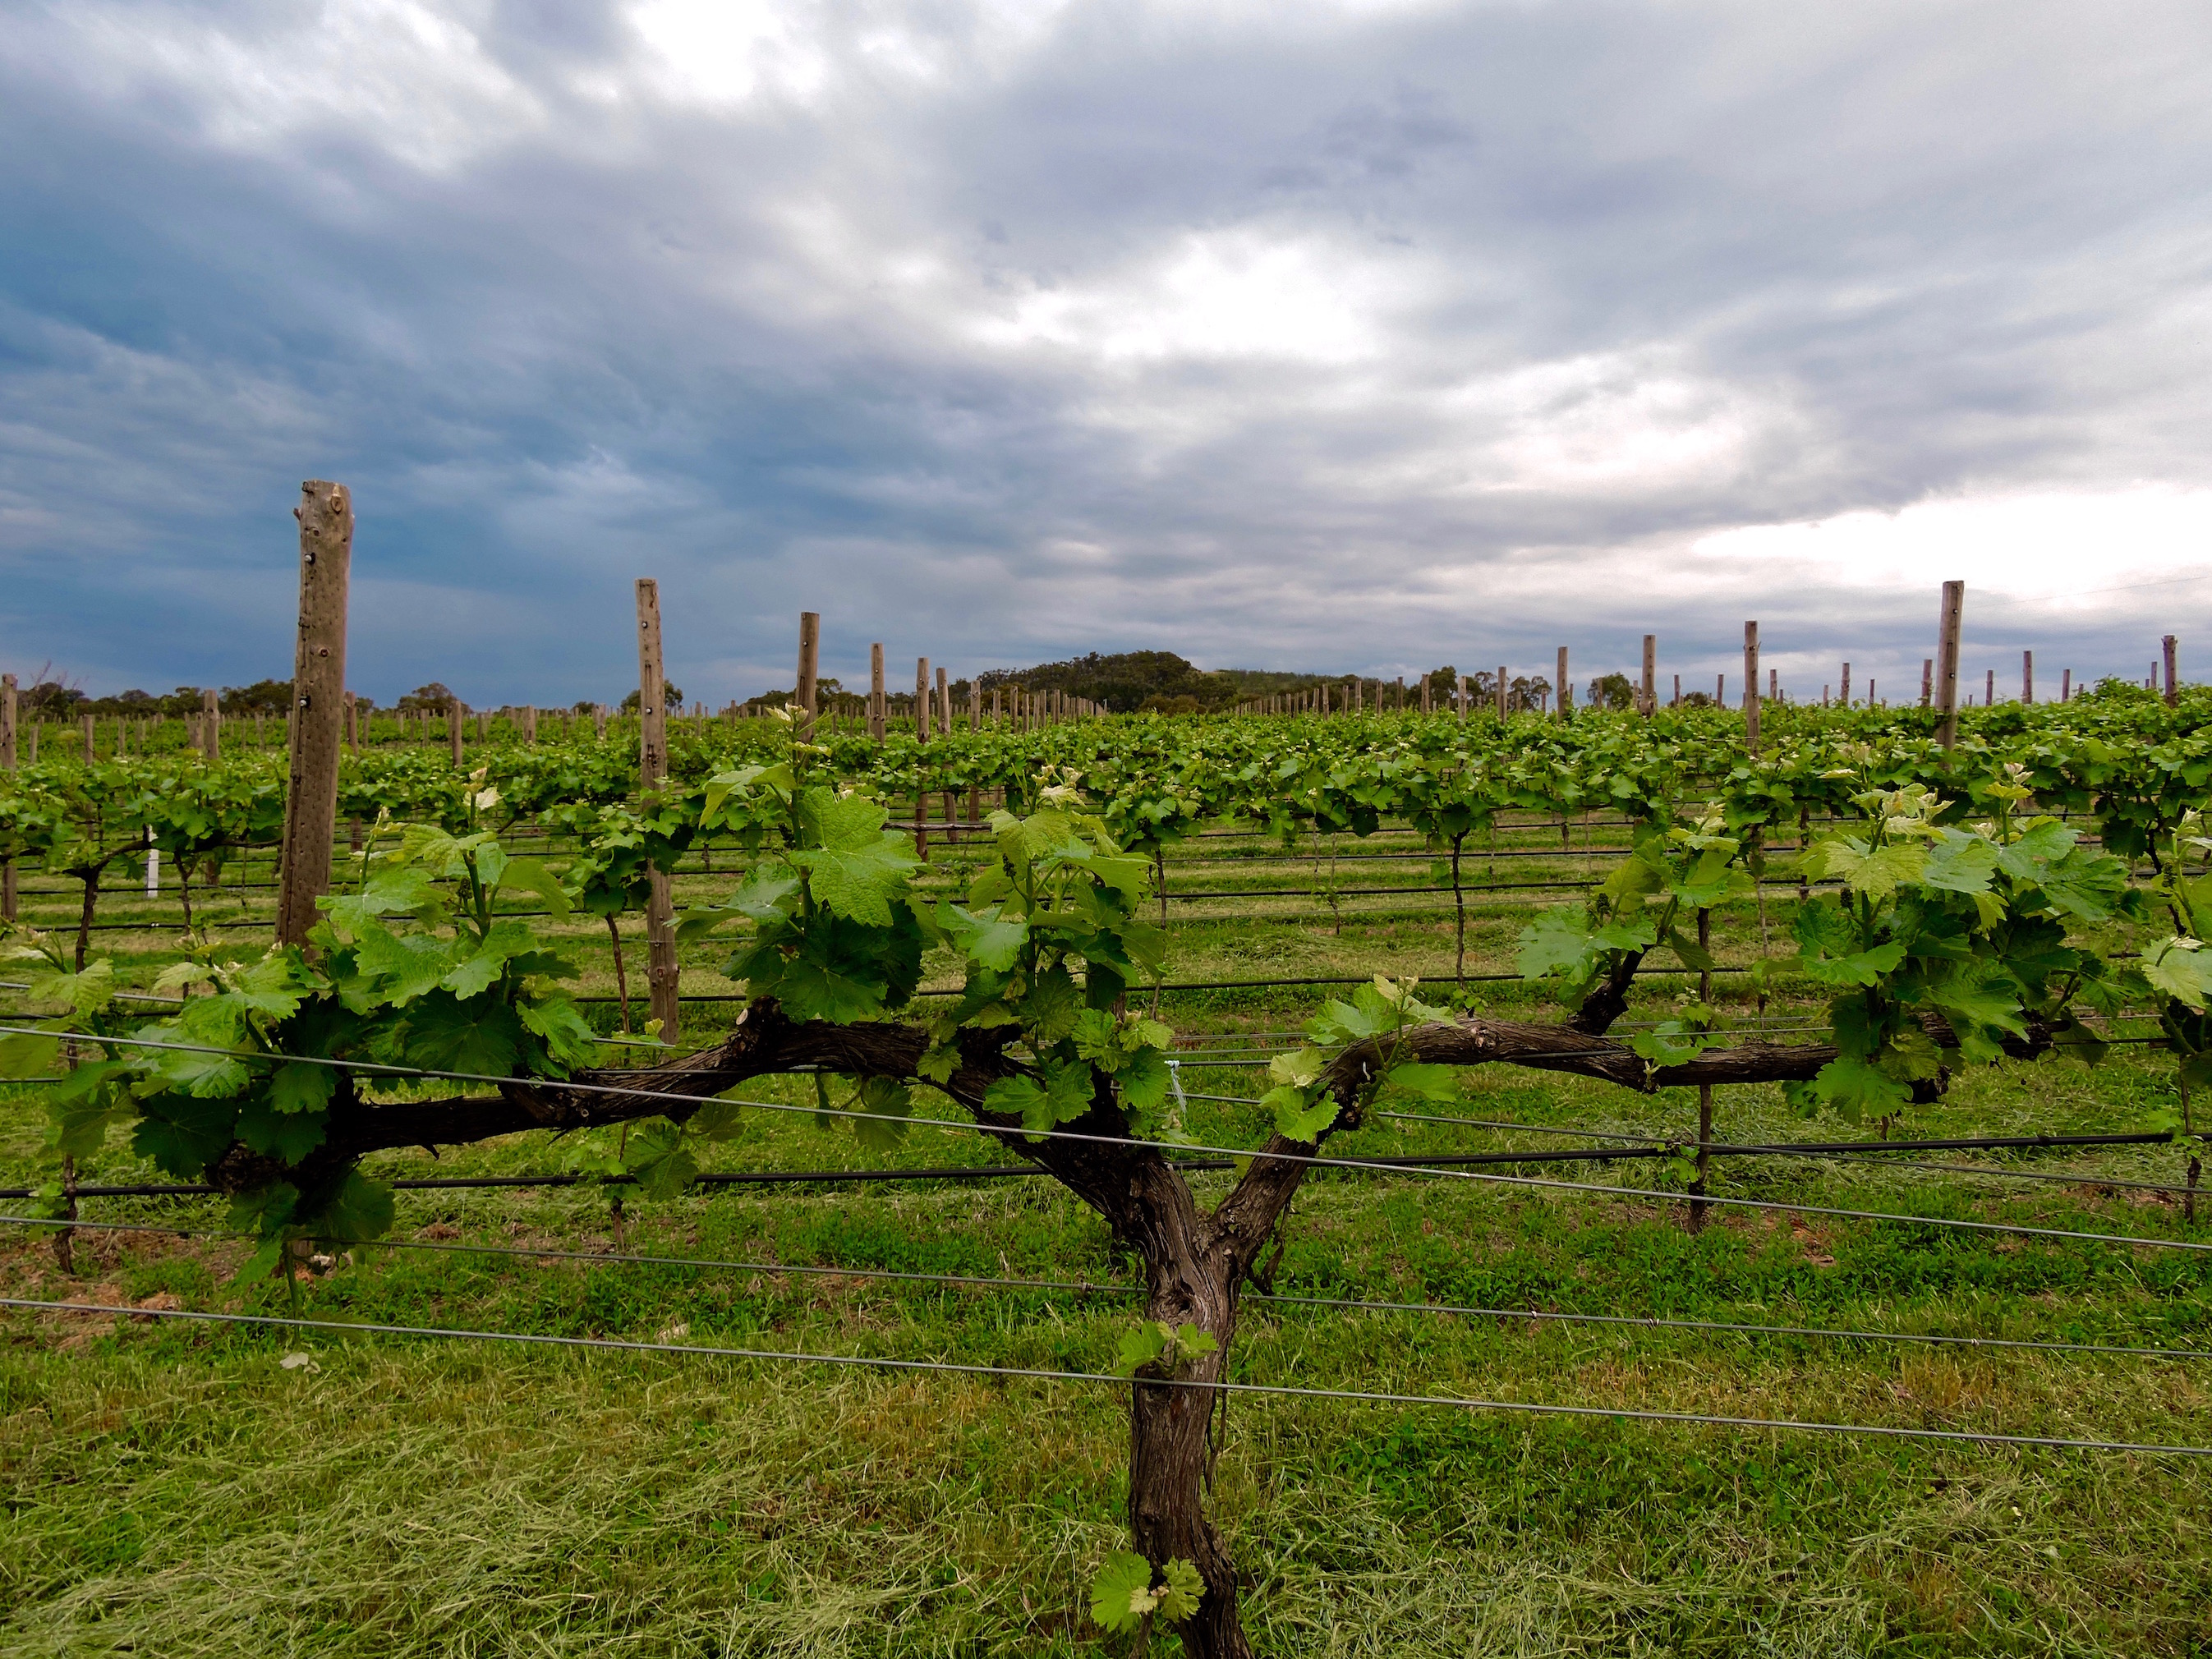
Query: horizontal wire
(1313,1160)
(1089,1287)
(1039,1374)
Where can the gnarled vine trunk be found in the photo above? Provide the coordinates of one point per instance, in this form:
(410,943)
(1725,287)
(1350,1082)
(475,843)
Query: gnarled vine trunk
(1195,1262)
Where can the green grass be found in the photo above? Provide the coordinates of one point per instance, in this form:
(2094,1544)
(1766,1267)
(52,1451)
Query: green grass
(176,1490)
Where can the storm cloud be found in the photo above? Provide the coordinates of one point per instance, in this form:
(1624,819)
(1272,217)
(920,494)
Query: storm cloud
(1360,336)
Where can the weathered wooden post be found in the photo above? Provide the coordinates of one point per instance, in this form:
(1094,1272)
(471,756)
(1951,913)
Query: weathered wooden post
(1503,696)
(1927,681)
(810,664)
(878,700)
(319,677)
(8,764)
(453,732)
(211,725)
(1566,698)
(1990,688)
(661,971)
(2066,686)
(1650,675)
(921,699)
(1946,663)
(2027,676)
(2173,686)
(1751,689)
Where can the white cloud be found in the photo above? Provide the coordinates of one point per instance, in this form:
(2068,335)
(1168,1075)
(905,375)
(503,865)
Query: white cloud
(2065,551)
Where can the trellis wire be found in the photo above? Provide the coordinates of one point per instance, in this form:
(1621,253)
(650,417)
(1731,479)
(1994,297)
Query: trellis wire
(1038,1374)
(1087,1287)
(1313,1160)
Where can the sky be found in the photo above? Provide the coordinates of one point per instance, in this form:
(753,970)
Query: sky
(1358,336)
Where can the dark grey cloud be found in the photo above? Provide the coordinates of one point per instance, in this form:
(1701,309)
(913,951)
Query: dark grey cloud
(1367,337)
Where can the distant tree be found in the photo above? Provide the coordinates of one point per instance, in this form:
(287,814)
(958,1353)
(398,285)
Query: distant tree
(672,696)
(433,698)
(1612,691)
(262,697)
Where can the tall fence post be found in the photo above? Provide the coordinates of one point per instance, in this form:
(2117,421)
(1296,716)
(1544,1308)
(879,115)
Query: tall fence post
(878,699)
(661,972)
(2066,686)
(1751,687)
(319,677)
(2172,688)
(8,764)
(1650,675)
(921,699)
(1946,663)
(210,725)
(453,732)
(1504,696)
(809,663)
(1927,681)
(1565,701)
(2027,676)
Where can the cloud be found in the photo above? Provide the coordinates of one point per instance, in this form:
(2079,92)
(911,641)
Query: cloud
(1346,336)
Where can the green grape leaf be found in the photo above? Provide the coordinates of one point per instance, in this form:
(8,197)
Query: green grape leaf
(1144,1080)
(278,1132)
(29,1053)
(1052,1004)
(1121,1592)
(1557,942)
(1182,1592)
(181,1134)
(889,1105)
(718,1120)
(360,1210)
(1982,993)
(298,1086)
(1858,1090)
(660,1158)
(1297,1117)
(1861,968)
(989,938)
(476,972)
(2181,969)
(405,967)
(1439,1083)
(1960,863)
(448,1036)
(391,890)
(531,876)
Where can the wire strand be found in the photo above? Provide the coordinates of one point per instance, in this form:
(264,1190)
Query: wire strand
(969,1369)
(1086,1287)
(1011,1134)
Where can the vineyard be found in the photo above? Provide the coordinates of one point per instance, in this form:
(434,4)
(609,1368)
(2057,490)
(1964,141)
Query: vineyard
(1428,1178)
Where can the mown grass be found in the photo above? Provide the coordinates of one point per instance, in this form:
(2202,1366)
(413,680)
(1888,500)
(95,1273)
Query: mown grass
(175,1489)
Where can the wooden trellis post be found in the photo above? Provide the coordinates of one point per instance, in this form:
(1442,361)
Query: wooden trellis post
(1650,675)
(2027,676)
(1567,700)
(319,677)
(2173,686)
(1751,687)
(211,725)
(921,699)
(1946,661)
(662,974)
(810,663)
(8,764)
(878,700)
